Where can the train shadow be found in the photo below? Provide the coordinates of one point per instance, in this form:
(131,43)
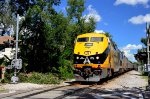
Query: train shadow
(137,74)
(81,82)
(89,82)
(108,93)
(128,93)
(104,80)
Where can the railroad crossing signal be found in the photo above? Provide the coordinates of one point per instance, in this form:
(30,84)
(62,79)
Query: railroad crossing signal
(16,63)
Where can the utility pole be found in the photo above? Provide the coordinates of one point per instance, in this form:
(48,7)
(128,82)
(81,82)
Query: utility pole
(148,53)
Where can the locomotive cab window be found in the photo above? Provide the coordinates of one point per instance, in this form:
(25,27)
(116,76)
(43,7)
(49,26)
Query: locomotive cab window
(84,39)
(96,39)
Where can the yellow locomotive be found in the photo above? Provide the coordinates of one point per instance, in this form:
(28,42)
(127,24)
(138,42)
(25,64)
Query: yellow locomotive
(96,57)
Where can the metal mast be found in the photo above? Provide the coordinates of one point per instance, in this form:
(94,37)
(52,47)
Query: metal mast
(148,52)
(15,62)
(148,44)
(17,41)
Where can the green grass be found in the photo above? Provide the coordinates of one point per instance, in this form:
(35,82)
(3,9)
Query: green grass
(145,73)
(39,78)
(34,77)
(145,77)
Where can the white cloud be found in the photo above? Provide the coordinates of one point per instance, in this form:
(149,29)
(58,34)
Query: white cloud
(140,19)
(132,2)
(105,23)
(127,50)
(99,31)
(92,14)
(132,47)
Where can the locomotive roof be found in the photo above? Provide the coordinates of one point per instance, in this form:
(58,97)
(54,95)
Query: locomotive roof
(92,34)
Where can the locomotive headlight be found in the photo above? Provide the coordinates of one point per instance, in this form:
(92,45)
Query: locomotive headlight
(97,57)
(77,57)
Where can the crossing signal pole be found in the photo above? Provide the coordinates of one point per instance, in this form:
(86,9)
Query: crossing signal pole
(148,52)
(16,63)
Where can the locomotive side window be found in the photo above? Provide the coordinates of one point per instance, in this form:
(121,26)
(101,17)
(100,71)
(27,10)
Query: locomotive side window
(84,39)
(96,39)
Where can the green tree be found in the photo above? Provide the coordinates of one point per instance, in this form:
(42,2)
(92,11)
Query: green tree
(77,24)
(39,46)
(48,36)
(75,9)
(22,6)
(88,27)
(141,55)
(108,35)
(144,41)
(6,18)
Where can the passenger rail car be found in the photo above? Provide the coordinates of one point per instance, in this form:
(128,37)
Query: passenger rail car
(97,57)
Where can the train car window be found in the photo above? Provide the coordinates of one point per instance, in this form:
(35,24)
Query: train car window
(84,39)
(96,39)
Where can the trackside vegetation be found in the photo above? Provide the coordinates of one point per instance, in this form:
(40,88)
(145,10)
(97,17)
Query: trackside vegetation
(46,37)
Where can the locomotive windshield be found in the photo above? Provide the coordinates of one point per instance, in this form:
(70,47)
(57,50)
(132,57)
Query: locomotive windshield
(96,39)
(84,39)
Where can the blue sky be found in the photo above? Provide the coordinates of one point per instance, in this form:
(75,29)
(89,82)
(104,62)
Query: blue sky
(125,20)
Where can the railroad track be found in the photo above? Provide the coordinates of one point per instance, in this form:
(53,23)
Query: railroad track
(28,93)
(106,94)
(85,90)
(35,92)
(67,90)
(60,92)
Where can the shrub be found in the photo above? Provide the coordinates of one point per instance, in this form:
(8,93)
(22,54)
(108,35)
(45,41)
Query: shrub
(23,77)
(39,78)
(1,61)
(66,70)
(7,77)
(5,80)
(145,73)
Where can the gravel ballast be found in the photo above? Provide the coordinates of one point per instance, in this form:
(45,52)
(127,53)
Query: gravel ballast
(128,80)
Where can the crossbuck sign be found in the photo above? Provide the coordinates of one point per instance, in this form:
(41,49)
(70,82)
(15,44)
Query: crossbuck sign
(16,63)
